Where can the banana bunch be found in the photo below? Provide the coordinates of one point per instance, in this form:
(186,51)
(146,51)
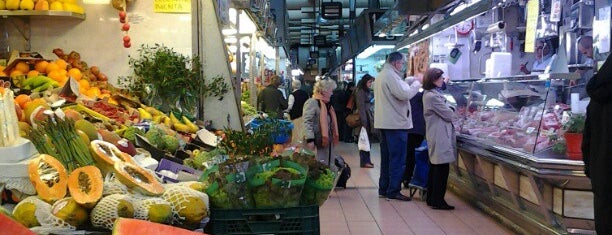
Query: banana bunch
(154,115)
(183,125)
(38,83)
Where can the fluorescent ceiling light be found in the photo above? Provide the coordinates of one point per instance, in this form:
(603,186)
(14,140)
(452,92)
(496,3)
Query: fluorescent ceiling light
(459,8)
(372,50)
(229,31)
(414,33)
(233,49)
(424,27)
(230,40)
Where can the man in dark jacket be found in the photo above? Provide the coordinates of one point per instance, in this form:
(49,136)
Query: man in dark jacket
(597,147)
(271,100)
(415,135)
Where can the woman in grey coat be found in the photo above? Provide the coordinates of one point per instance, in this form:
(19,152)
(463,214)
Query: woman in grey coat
(320,123)
(363,95)
(440,135)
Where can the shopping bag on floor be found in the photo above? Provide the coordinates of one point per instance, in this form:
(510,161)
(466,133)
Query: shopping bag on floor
(364,142)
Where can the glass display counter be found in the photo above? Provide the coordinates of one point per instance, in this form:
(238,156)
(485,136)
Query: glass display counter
(507,164)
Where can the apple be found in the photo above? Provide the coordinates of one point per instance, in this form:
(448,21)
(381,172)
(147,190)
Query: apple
(122,20)
(122,15)
(127,44)
(126,38)
(125,27)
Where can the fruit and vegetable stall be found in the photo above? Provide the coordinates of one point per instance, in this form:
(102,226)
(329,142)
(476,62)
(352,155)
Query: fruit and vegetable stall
(79,154)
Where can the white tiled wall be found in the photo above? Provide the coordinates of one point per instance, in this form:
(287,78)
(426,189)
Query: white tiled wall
(99,38)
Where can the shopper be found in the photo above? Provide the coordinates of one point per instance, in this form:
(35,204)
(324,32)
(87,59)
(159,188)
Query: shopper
(363,95)
(597,147)
(270,100)
(415,135)
(295,107)
(393,119)
(339,99)
(545,49)
(320,122)
(585,46)
(440,135)
(349,132)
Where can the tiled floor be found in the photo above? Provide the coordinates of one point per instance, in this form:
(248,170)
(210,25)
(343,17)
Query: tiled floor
(358,210)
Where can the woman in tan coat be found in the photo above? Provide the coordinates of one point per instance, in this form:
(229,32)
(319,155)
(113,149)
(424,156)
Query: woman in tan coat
(440,135)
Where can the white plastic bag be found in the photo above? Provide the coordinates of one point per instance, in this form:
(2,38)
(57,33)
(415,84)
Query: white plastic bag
(364,142)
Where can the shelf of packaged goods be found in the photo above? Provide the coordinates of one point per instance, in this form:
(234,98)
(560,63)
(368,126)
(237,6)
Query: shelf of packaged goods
(37,13)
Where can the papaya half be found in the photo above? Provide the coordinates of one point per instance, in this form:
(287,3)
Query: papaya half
(106,154)
(49,177)
(138,179)
(85,185)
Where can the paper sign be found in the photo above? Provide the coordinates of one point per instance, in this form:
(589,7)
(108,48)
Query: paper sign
(533,10)
(172,6)
(555,11)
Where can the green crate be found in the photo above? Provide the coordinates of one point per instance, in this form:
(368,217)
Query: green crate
(292,220)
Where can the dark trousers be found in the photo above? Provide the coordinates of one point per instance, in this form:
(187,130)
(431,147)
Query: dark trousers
(364,157)
(392,161)
(603,212)
(436,184)
(414,141)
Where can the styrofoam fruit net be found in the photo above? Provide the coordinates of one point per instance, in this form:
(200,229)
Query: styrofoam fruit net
(48,222)
(21,184)
(113,186)
(143,204)
(178,196)
(110,208)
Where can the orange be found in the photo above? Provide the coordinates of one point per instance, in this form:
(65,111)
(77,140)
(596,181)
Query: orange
(33,73)
(84,84)
(51,67)
(94,92)
(41,66)
(15,73)
(61,63)
(23,67)
(3,74)
(55,75)
(75,73)
(22,99)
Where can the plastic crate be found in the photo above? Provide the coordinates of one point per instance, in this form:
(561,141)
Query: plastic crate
(175,168)
(279,138)
(292,220)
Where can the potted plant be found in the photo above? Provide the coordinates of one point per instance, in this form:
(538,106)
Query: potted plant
(573,135)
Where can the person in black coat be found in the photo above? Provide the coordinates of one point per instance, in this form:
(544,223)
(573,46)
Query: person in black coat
(416,135)
(597,145)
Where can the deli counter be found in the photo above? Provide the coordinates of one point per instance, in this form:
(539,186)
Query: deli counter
(510,163)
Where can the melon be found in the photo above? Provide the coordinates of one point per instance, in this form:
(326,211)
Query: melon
(70,211)
(10,226)
(109,209)
(125,226)
(88,128)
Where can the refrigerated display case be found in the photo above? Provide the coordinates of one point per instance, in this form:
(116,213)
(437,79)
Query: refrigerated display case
(507,164)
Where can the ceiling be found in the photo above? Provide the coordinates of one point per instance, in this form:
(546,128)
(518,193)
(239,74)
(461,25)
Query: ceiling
(304,20)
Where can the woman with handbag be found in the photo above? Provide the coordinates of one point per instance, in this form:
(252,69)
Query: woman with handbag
(320,123)
(363,95)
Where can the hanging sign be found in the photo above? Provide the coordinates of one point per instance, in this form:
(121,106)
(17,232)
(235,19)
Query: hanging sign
(172,6)
(533,10)
(555,11)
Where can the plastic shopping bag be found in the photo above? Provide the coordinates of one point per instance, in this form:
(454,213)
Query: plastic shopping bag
(364,142)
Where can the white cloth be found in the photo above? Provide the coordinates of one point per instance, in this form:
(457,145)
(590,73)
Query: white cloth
(392,100)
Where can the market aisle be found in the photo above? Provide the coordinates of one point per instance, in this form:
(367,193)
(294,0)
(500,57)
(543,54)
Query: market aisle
(358,210)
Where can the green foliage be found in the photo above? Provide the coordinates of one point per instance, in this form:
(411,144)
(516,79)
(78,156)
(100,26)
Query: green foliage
(163,77)
(575,124)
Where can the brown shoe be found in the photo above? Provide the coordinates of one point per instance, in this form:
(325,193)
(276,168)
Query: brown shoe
(367,165)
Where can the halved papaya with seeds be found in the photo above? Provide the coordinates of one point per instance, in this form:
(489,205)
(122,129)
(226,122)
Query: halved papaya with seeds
(138,179)
(106,154)
(85,185)
(49,177)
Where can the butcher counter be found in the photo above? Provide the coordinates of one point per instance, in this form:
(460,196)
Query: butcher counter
(506,134)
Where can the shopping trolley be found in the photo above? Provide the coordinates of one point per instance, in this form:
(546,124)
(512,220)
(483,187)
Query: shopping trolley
(418,183)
